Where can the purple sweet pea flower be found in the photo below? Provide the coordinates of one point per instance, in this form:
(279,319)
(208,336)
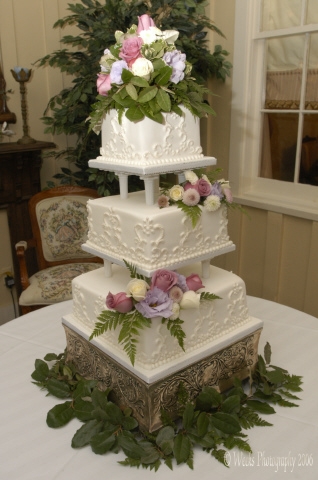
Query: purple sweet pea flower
(116,71)
(175,60)
(156,304)
(182,283)
(217,190)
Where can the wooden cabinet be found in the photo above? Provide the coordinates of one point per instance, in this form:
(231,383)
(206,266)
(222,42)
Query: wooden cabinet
(19,180)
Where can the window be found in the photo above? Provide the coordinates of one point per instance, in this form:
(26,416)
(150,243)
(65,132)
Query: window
(274,129)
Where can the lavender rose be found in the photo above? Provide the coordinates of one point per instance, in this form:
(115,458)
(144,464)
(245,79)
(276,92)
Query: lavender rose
(119,302)
(194,282)
(164,279)
(144,22)
(175,60)
(131,49)
(117,70)
(156,304)
(103,84)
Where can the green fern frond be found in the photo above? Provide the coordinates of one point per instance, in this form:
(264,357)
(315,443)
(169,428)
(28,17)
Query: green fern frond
(193,213)
(108,320)
(133,271)
(249,419)
(131,326)
(231,442)
(175,329)
(220,456)
(208,296)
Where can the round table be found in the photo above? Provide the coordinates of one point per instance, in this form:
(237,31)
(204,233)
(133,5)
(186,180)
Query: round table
(30,450)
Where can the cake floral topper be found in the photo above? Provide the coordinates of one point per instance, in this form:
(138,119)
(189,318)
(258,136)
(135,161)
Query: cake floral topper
(144,75)
(197,191)
(164,295)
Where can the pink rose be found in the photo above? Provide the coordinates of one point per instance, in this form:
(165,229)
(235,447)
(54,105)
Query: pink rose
(164,279)
(119,302)
(204,187)
(228,195)
(131,49)
(190,185)
(194,282)
(103,84)
(144,22)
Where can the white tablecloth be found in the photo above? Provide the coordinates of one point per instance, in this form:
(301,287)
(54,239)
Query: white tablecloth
(30,450)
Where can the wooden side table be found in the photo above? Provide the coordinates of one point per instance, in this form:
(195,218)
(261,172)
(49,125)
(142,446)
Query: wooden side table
(20,167)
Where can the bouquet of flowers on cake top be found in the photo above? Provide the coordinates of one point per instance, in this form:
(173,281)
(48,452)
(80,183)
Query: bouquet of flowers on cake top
(144,74)
(198,189)
(164,295)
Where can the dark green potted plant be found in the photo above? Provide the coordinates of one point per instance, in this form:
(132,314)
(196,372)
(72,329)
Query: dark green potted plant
(67,112)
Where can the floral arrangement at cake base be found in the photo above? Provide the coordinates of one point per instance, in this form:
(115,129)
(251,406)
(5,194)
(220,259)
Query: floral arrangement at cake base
(214,422)
(144,74)
(199,190)
(164,295)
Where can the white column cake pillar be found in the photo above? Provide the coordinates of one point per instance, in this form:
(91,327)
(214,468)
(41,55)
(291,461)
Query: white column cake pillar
(108,268)
(123,184)
(205,268)
(151,188)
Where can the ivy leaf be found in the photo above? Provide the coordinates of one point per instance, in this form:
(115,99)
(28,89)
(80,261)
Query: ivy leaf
(58,389)
(163,99)
(267,353)
(126,75)
(147,94)
(165,439)
(188,416)
(225,422)
(102,442)
(131,90)
(130,447)
(164,75)
(139,82)
(134,113)
(181,448)
(41,371)
(84,434)
(231,404)
(60,415)
(207,399)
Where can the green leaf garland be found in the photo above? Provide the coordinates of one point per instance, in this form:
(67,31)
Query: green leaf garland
(213,421)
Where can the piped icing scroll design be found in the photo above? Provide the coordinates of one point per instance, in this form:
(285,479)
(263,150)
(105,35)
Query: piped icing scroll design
(237,308)
(149,237)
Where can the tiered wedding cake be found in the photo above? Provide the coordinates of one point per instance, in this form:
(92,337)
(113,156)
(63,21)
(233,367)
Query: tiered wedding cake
(157,273)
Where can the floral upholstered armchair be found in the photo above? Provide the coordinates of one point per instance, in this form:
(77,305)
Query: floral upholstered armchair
(59,226)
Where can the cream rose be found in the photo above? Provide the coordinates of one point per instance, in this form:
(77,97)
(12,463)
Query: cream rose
(191,176)
(137,289)
(190,299)
(176,192)
(175,311)
(142,68)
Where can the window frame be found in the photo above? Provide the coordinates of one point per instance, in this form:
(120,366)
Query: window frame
(246,123)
